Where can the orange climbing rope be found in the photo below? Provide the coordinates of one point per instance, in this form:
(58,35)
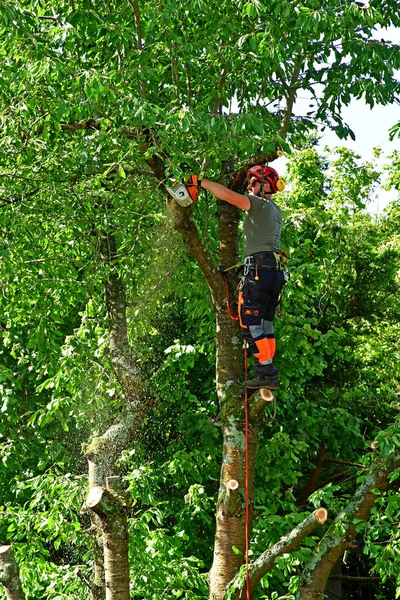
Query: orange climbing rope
(228,300)
(247,529)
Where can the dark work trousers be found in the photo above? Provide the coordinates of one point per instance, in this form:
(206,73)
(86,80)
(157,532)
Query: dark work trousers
(258,300)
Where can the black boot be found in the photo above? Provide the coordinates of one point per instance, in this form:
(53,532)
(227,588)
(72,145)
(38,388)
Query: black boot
(266,376)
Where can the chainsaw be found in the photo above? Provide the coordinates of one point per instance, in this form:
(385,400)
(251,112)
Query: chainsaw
(185,193)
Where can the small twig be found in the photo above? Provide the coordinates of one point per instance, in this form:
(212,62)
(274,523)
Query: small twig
(355,578)
(218,104)
(345,462)
(64,281)
(159,283)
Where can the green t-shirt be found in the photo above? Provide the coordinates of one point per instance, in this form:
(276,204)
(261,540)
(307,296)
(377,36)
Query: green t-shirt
(262,226)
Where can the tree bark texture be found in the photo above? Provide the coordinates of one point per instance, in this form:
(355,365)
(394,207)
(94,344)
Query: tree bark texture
(342,532)
(231,508)
(111,506)
(9,574)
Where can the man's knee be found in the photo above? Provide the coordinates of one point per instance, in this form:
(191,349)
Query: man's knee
(268,327)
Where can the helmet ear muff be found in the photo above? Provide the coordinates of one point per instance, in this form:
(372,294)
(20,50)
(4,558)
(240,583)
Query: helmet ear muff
(280,185)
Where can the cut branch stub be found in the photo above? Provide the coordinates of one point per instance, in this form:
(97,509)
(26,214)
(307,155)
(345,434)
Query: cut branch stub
(321,514)
(232,499)
(232,484)
(102,502)
(258,404)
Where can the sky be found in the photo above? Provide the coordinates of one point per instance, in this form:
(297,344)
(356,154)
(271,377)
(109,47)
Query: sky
(371,129)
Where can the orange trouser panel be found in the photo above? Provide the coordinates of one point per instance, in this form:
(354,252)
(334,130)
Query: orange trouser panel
(264,352)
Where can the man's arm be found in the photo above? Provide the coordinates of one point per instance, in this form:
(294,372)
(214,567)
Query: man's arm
(223,193)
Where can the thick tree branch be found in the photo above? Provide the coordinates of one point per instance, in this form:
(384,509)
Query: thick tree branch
(218,103)
(104,450)
(139,43)
(192,239)
(196,247)
(340,535)
(290,99)
(288,543)
(122,361)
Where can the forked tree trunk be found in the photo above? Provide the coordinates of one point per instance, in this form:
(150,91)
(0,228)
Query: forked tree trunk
(111,506)
(104,450)
(9,574)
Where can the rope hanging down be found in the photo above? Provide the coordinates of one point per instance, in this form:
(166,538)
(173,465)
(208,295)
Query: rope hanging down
(247,529)
(228,300)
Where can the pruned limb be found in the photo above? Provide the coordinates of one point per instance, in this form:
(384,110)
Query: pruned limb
(232,498)
(288,543)
(194,243)
(101,502)
(259,403)
(9,574)
(342,532)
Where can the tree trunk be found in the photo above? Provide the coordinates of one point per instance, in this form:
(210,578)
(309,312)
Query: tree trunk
(231,507)
(98,471)
(111,506)
(9,574)
(103,451)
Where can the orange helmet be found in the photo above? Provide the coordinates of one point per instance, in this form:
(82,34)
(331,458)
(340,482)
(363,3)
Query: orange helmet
(266,174)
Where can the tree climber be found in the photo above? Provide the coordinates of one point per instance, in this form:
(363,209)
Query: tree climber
(263,277)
